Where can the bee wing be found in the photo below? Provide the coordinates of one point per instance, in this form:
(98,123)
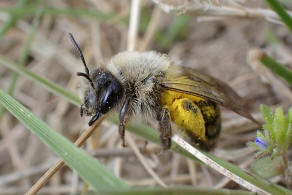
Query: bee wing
(189,81)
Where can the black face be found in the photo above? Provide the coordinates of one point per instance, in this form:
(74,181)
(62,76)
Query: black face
(103,93)
(102,96)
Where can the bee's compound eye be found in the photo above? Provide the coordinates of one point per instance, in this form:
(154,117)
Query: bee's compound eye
(110,98)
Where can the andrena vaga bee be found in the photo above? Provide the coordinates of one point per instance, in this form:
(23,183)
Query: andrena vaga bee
(149,84)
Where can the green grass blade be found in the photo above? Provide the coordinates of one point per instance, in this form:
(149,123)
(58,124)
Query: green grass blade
(179,24)
(172,191)
(50,86)
(277,68)
(9,91)
(97,14)
(24,55)
(255,180)
(87,167)
(7,25)
(12,18)
(279,9)
(30,10)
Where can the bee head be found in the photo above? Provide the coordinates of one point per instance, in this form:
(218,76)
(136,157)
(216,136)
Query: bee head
(103,93)
(104,90)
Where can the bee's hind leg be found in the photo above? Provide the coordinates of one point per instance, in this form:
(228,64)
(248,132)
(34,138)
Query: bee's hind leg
(123,119)
(81,110)
(165,128)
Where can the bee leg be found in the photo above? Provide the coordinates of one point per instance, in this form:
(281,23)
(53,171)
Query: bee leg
(81,110)
(93,119)
(165,128)
(123,119)
(144,149)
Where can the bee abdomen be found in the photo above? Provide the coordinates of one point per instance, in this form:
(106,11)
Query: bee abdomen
(212,118)
(198,118)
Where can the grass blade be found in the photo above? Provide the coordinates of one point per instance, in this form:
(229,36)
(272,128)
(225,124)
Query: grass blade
(24,55)
(248,181)
(12,18)
(30,10)
(277,68)
(172,191)
(279,9)
(87,167)
(50,86)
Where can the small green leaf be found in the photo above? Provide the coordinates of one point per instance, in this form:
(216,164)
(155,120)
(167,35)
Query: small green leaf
(267,135)
(268,116)
(254,146)
(267,167)
(279,127)
(289,131)
(276,152)
(267,113)
(261,153)
(288,135)
(289,115)
(260,135)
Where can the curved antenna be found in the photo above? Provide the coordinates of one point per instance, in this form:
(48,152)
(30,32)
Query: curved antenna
(86,74)
(87,77)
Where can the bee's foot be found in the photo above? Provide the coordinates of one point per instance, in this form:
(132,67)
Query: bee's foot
(124,142)
(144,150)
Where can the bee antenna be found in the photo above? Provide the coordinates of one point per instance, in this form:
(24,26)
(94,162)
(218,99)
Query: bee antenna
(87,77)
(81,55)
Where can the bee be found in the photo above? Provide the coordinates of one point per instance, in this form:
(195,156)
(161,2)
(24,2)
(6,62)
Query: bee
(151,85)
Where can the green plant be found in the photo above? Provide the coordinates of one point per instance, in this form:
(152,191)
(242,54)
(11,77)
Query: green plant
(274,142)
(268,61)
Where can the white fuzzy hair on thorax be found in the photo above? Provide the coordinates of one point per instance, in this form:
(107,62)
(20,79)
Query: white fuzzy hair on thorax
(134,67)
(137,65)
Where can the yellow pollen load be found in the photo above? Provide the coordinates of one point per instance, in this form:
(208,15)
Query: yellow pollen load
(209,111)
(185,113)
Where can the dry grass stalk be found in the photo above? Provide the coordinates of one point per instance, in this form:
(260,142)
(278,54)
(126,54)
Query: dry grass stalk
(143,161)
(216,166)
(134,22)
(79,142)
(222,10)
(152,27)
